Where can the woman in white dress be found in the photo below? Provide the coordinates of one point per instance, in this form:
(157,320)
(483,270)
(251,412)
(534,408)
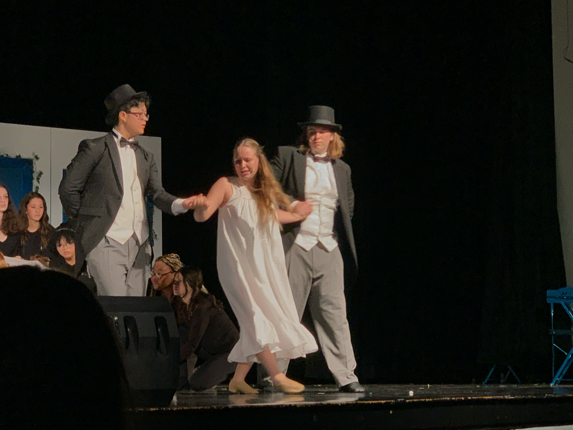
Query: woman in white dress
(251,266)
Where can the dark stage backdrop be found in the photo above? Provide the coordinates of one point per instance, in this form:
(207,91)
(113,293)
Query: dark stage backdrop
(447,110)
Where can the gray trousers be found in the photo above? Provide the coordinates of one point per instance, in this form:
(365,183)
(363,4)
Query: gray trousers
(317,277)
(120,270)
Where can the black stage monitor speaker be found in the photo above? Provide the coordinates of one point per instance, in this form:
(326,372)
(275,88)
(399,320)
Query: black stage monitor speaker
(149,340)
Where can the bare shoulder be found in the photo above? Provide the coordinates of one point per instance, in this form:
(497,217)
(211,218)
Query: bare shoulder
(223,182)
(222,191)
(223,185)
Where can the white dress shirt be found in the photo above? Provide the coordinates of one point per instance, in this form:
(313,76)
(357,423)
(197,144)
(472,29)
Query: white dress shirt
(320,191)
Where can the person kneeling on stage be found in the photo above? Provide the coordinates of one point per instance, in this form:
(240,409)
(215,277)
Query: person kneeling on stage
(163,275)
(206,333)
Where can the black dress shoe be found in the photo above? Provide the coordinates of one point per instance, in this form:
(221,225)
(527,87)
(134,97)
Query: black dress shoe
(353,387)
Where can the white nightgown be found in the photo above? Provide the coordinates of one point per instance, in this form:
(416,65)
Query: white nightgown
(252,272)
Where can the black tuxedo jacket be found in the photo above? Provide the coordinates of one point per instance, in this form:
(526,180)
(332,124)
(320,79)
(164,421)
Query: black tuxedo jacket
(92,190)
(289,167)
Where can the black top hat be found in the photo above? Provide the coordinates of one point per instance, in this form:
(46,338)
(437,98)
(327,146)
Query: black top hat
(117,98)
(321,115)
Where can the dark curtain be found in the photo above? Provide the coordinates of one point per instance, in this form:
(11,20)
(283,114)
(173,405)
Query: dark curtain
(447,111)
(524,247)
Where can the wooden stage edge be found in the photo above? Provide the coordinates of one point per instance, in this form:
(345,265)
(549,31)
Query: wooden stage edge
(394,407)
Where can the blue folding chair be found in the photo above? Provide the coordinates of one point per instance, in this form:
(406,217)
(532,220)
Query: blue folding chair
(564,297)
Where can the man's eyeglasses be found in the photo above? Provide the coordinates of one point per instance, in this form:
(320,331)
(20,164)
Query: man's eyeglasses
(140,115)
(159,275)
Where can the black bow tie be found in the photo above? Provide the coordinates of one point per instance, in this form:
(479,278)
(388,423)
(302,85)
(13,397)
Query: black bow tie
(325,159)
(123,141)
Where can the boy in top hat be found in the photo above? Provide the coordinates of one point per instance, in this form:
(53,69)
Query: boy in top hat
(315,173)
(104,192)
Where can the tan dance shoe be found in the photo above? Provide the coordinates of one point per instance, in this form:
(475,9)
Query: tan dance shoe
(241,387)
(289,386)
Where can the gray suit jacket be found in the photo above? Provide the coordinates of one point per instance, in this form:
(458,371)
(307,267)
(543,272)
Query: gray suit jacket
(92,189)
(289,167)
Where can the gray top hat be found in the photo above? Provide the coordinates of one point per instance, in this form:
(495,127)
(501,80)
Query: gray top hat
(117,98)
(321,115)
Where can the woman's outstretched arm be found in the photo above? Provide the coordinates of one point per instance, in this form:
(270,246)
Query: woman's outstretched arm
(299,213)
(218,195)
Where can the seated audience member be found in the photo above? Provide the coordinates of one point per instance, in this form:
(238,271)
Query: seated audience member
(163,274)
(35,230)
(8,223)
(206,333)
(61,368)
(68,256)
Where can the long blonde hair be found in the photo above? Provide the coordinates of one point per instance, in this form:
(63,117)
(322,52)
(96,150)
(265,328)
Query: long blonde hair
(265,188)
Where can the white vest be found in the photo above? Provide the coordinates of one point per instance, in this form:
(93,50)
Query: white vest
(321,192)
(131,217)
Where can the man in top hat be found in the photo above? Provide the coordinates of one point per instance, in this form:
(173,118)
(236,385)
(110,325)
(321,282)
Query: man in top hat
(103,194)
(315,173)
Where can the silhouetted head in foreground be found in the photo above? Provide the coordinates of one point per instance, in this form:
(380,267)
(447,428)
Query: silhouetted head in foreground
(59,362)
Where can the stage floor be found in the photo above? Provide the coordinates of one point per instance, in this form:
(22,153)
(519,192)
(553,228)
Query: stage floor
(381,406)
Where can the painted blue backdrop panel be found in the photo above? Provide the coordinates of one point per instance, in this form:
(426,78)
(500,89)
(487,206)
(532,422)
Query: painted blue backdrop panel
(18,175)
